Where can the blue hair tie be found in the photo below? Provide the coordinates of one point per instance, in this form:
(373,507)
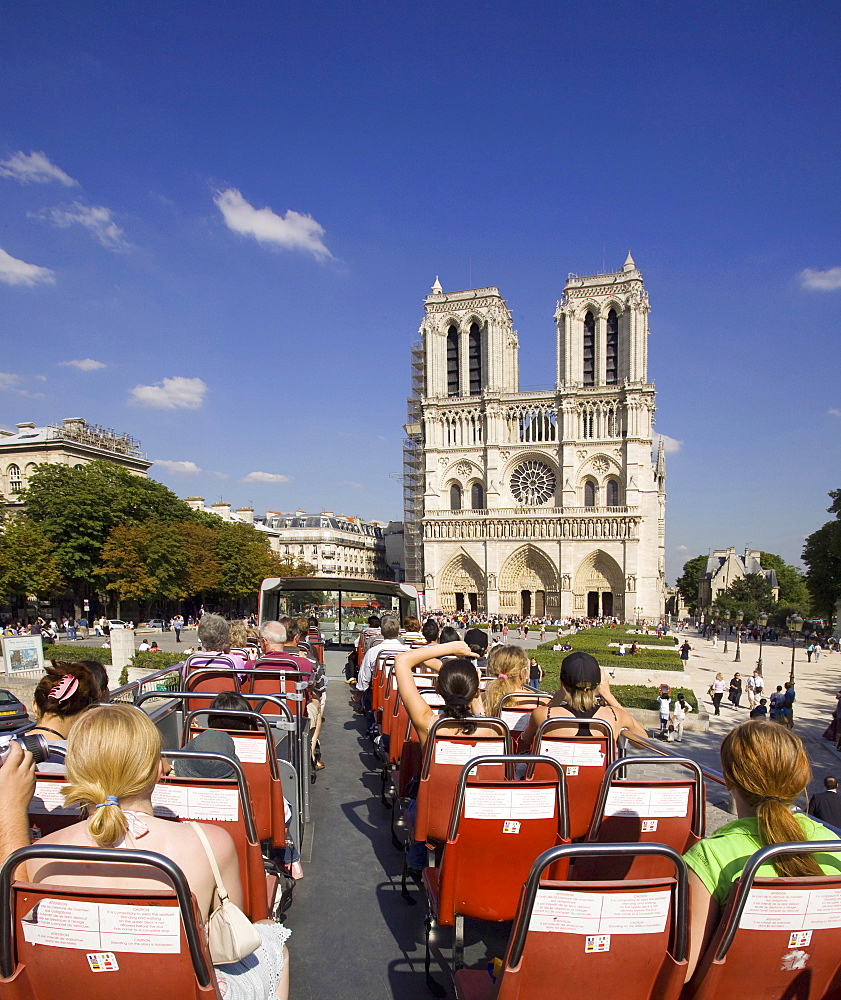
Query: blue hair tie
(110,800)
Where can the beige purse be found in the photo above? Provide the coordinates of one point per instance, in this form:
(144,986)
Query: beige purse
(230,934)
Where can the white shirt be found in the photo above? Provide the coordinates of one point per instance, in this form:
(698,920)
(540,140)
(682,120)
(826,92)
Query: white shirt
(366,669)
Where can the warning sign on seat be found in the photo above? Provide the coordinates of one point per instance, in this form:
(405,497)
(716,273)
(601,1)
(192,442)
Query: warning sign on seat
(104,927)
(250,750)
(196,803)
(651,803)
(507,804)
(568,752)
(447,752)
(47,798)
(792,909)
(569,912)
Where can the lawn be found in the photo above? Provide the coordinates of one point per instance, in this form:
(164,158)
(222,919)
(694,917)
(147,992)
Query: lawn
(640,696)
(597,641)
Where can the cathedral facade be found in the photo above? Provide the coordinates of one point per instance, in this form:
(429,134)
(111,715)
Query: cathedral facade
(536,503)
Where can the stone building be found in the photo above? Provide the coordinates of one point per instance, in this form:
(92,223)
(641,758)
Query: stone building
(72,442)
(533,503)
(724,567)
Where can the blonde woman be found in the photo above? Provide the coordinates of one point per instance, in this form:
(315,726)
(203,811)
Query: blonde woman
(113,764)
(508,673)
(765,768)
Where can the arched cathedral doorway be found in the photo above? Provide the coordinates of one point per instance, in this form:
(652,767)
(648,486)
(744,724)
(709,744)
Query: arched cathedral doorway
(462,585)
(599,588)
(528,584)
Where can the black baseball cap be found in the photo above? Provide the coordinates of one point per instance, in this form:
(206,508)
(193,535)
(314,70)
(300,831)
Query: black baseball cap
(580,670)
(476,637)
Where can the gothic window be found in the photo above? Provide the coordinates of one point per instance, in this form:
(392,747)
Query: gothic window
(533,484)
(15,481)
(474,357)
(477,496)
(612,357)
(589,349)
(455,497)
(589,494)
(612,493)
(452,361)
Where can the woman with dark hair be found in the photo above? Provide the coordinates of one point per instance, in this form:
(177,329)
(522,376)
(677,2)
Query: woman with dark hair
(61,695)
(448,634)
(457,683)
(765,769)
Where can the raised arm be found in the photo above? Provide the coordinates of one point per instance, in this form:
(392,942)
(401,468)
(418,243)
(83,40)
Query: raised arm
(420,713)
(17,783)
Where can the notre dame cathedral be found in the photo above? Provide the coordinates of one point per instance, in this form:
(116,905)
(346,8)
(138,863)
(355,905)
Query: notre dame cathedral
(536,503)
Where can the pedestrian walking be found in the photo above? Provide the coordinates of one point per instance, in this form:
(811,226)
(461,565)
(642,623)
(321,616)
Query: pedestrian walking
(717,689)
(735,695)
(535,674)
(775,704)
(809,650)
(177,627)
(817,651)
(684,651)
(788,705)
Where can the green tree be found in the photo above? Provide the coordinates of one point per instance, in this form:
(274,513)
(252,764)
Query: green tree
(28,564)
(78,508)
(751,595)
(245,560)
(822,555)
(147,561)
(792,581)
(687,584)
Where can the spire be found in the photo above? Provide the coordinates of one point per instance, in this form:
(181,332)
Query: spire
(629,264)
(661,457)
(436,288)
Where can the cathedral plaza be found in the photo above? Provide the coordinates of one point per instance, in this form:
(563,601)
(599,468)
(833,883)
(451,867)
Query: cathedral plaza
(547,503)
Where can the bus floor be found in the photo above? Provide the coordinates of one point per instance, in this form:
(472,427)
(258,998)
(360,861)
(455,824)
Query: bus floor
(353,934)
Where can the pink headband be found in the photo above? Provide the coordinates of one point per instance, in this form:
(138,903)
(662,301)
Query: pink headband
(64,688)
(502,677)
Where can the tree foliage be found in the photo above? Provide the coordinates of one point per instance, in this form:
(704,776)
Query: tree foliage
(751,595)
(78,508)
(792,582)
(687,584)
(822,555)
(28,563)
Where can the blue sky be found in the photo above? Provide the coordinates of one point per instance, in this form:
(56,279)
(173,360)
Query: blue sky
(241,206)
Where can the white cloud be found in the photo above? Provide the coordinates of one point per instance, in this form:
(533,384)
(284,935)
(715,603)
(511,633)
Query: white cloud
(265,477)
(176,393)
(34,168)
(834,412)
(95,218)
(84,365)
(292,231)
(682,548)
(821,281)
(18,272)
(350,484)
(220,475)
(9,381)
(670,445)
(178,468)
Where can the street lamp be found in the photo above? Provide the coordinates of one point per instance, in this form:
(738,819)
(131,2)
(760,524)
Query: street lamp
(763,621)
(739,618)
(795,624)
(725,617)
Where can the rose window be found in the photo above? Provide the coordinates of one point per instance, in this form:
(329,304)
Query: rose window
(533,484)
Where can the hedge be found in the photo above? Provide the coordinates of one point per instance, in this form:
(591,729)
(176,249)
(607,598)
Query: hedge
(596,641)
(642,696)
(77,653)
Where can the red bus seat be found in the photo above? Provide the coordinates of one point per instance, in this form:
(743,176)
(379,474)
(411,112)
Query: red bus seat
(224,802)
(125,943)
(624,940)
(516,709)
(497,829)
(633,810)
(447,750)
(777,937)
(585,760)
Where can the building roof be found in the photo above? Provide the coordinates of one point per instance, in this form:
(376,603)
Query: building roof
(73,431)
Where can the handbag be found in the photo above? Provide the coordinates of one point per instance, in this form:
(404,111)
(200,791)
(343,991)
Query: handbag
(230,934)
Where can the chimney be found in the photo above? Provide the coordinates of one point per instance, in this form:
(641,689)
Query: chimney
(195,503)
(246,513)
(25,427)
(223,509)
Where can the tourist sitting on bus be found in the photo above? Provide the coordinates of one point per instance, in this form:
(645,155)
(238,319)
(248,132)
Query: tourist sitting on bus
(215,637)
(477,640)
(391,643)
(584,693)
(508,673)
(411,632)
(765,769)
(430,630)
(61,695)
(113,764)
(458,685)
